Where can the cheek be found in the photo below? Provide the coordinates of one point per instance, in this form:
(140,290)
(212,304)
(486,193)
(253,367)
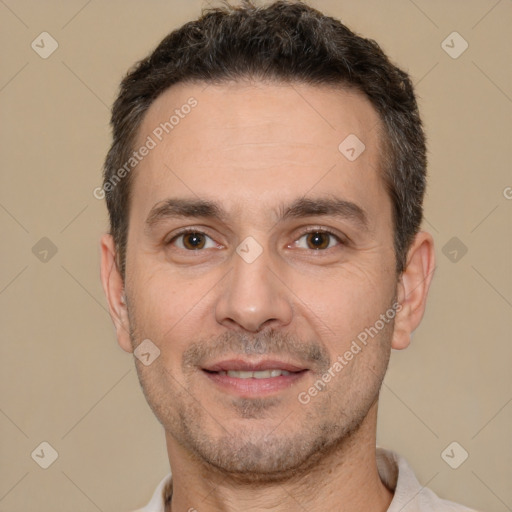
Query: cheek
(345,302)
(167,306)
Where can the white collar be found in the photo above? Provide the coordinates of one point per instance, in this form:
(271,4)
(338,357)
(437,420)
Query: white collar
(395,473)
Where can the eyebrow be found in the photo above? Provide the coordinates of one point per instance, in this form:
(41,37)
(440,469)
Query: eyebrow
(300,208)
(330,206)
(174,208)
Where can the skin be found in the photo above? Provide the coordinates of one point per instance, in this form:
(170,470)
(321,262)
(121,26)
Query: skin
(255,148)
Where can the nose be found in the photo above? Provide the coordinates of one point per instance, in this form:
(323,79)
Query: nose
(253,297)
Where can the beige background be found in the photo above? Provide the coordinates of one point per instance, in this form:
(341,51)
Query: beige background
(63,378)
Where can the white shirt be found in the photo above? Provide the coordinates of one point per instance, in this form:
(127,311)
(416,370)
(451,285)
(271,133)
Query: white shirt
(395,473)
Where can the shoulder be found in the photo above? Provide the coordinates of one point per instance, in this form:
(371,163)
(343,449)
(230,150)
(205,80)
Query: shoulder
(409,494)
(156,504)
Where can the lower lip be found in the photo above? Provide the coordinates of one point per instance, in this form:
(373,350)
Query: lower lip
(252,388)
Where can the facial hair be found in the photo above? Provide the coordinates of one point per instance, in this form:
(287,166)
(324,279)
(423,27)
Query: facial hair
(262,439)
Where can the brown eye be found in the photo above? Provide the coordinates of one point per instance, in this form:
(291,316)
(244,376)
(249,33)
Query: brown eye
(193,241)
(318,240)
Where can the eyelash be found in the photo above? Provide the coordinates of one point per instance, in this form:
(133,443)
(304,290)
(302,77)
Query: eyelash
(186,231)
(339,239)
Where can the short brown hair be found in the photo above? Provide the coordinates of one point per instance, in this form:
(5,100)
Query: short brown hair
(285,41)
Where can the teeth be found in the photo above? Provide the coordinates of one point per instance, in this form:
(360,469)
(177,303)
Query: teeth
(263,374)
(240,375)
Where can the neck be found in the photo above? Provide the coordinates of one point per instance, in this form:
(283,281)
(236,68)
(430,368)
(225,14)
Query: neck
(345,479)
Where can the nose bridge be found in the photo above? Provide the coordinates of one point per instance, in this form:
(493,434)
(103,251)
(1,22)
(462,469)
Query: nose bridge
(252,297)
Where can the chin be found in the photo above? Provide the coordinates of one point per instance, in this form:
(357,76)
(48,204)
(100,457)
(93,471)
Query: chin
(270,459)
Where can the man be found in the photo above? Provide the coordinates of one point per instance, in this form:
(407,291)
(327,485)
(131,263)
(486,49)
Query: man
(265,188)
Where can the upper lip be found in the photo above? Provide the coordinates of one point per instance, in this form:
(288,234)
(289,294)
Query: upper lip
(253,366)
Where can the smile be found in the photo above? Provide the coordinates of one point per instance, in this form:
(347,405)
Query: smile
(253,379)
(262,374)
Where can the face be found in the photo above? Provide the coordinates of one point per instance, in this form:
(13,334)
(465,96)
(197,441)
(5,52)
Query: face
(258,253)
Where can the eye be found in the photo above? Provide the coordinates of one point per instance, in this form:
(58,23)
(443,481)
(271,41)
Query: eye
(192,241)
(317,239)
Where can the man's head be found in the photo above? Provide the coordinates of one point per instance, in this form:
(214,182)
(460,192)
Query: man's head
(287,42)
(267,238)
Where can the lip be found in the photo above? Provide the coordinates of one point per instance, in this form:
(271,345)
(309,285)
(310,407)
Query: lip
(253,366)
(252,387)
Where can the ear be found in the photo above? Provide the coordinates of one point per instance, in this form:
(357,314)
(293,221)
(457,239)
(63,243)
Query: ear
(413,288)
(113,286)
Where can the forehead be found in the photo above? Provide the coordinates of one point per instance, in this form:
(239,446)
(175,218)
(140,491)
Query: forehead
(257,142)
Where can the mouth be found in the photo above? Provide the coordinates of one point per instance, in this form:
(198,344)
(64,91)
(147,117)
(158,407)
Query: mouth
(261,374)
(254,379)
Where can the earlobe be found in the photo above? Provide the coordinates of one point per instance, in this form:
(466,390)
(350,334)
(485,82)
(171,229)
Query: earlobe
(412,290)
(113,286)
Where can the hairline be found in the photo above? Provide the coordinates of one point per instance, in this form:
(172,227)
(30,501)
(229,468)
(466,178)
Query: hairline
(386,151)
